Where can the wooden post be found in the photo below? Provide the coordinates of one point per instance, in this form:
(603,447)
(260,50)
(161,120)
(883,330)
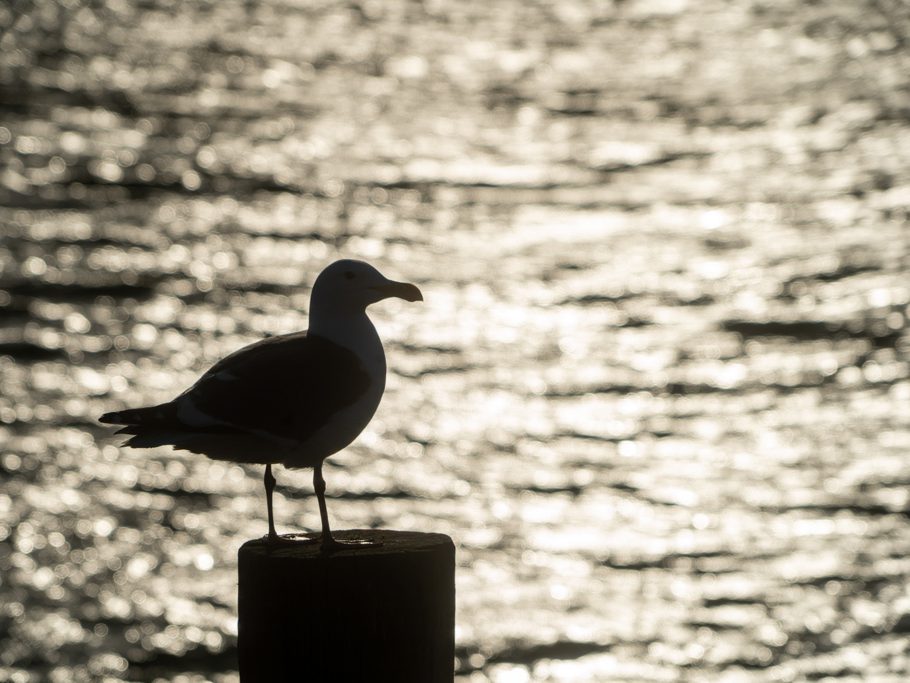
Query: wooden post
(383,613)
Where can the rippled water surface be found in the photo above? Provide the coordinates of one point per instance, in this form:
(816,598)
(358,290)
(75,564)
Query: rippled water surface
(659,390)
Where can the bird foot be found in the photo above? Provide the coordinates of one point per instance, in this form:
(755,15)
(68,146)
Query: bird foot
(276,540)
(333,545)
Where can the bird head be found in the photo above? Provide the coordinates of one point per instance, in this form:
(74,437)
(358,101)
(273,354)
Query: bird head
(350,285)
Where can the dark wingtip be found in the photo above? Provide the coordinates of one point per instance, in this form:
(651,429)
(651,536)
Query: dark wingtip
(110,418)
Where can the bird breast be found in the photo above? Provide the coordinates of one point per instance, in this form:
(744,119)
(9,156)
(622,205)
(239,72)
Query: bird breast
(346,425)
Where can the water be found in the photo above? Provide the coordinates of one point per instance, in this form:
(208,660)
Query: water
(659,390)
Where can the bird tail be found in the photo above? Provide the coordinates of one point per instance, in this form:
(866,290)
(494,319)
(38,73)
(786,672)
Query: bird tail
(160,426)
(138,418)
(135,416)
(147,427)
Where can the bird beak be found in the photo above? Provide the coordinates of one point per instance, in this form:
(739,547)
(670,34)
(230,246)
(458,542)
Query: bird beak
(401,290)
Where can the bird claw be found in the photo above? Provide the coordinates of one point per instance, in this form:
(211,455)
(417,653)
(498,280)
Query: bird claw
(288,539)
(333,545)
(326,545)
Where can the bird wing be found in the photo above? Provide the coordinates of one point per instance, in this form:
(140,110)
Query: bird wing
(279,390)
(287,387)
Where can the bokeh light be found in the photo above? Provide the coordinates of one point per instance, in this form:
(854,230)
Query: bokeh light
(659,390)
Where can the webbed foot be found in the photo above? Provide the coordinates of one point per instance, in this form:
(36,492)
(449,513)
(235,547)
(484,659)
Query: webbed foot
(331,544)
(277,540)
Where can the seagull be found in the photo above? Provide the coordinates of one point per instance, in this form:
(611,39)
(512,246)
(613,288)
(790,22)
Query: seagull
(293,399)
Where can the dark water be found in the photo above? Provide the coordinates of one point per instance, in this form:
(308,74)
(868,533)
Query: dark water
(658,393)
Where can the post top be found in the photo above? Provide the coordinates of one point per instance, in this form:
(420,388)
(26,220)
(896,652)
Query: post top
(389,542)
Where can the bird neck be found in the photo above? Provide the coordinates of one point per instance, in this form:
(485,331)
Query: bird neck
(353,330)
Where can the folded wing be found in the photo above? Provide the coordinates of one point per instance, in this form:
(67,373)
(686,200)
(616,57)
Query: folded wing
(256,404)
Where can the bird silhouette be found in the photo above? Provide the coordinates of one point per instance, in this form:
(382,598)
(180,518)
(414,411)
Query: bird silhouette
(293,399)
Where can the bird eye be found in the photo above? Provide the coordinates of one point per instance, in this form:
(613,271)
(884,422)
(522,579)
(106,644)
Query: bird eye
(349,275)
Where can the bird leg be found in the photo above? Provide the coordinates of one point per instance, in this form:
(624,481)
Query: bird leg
(269,481)
(273,538)
(329,543)
(319,487)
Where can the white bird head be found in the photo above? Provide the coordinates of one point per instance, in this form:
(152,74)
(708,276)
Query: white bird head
(351,286)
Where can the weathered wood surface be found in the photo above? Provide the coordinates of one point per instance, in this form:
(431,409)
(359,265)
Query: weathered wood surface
(383,613)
